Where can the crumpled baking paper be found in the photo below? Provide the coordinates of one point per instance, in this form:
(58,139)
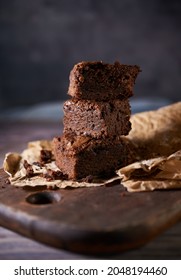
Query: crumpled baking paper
(156,173)
(156,137)
(156,141)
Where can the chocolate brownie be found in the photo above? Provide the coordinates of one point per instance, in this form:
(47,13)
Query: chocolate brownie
(101,81)
(80,156)
(97,119)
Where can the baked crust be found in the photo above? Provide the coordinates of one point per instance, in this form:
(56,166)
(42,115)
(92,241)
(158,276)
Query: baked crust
(101,81)
(79,157)
(97,118)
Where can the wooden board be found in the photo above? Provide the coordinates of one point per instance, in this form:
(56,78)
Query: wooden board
(88,220)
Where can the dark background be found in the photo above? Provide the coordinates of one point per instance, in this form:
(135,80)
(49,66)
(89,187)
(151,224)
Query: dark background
(41,40)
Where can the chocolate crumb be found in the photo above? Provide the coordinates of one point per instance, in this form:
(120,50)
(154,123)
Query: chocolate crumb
(54,175)
(29,169)
(45,156)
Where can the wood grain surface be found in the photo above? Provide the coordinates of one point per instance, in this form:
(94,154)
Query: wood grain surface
(154,212)
(16,247)
(88,220)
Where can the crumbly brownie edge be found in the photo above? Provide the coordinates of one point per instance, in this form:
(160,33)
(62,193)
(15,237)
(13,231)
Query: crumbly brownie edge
(98,161)
(97,119)
(118,80)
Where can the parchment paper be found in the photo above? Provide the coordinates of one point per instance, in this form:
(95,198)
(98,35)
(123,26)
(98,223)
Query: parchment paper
(156,137)
(156,141)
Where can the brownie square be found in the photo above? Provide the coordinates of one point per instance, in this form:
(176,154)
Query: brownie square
(101,81)
(97,119)
(79,157)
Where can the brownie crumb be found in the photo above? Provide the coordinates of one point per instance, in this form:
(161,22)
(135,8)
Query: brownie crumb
(54,175)
(29,169)
(45,156)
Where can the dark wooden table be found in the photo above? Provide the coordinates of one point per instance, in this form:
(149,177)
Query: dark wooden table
(14,137)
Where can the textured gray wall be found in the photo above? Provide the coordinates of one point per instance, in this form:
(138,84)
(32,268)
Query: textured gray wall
(41,40)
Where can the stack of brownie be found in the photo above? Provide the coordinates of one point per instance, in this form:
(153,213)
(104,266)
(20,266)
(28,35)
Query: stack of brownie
(95,119)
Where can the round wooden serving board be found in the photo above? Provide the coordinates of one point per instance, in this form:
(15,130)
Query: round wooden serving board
(95,220)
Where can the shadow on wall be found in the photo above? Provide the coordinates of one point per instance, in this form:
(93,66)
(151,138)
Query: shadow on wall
(41,40)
